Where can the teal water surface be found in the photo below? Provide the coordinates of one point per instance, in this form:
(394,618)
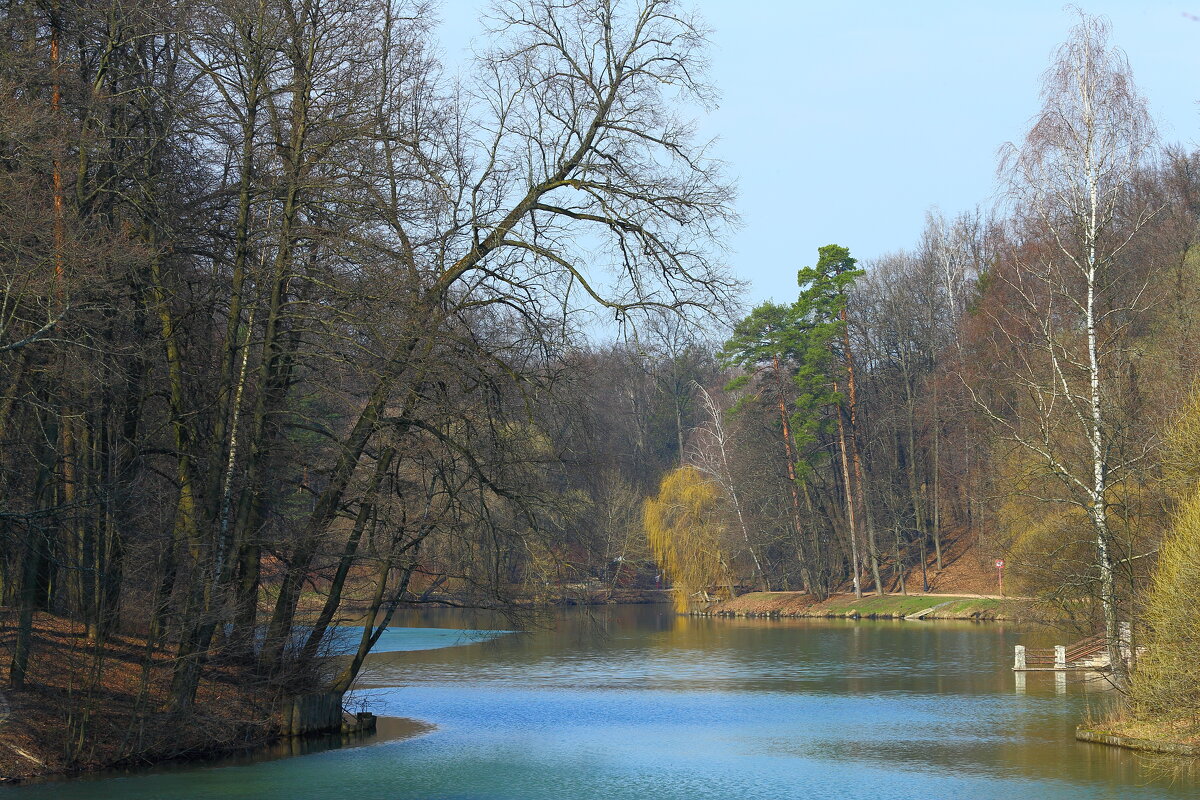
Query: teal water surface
(634,702)
(397,639)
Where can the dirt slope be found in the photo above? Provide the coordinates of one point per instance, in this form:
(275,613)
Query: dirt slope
(966,569)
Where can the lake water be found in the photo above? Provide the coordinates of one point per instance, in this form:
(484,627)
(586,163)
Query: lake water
(635,702)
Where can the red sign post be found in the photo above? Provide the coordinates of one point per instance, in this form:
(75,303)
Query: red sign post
(1000,574)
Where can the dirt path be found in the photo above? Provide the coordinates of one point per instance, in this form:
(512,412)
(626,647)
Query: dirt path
(967,594)
(914,594)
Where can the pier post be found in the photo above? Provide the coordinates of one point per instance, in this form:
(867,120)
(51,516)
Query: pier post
(1019,658)
(1060,656)
(312,713)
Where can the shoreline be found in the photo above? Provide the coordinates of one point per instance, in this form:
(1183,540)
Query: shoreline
(281,747)
(236,711)
(1166,747)
(911,606)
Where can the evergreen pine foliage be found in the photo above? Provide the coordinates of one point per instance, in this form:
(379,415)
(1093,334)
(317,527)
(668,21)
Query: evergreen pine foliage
(800,340)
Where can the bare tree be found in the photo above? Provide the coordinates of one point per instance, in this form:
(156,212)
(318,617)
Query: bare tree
(287,306)
(575,141)
(712,453)
(1070,181)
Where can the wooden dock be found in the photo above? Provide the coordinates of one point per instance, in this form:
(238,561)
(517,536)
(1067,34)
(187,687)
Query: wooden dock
(1086,654)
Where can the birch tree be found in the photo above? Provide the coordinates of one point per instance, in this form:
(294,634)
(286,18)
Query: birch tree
(712,454)
(1070,183)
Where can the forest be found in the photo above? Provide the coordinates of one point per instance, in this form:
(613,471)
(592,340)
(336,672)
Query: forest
(299,328)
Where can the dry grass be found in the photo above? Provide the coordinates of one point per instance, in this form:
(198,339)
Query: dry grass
(1180,730)
(891,606)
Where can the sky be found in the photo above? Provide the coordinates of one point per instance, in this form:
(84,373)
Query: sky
(845,122)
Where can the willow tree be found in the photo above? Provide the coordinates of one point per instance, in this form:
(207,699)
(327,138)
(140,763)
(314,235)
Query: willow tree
(685,527)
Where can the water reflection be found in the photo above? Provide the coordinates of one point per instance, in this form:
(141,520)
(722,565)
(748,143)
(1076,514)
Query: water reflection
(635,702)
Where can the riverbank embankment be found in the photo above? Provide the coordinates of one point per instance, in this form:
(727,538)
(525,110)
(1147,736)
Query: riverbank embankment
(55,724)
(1146,740)
(888,606)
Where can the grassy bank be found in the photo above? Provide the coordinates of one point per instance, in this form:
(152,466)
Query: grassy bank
(891,606)
(1178,736)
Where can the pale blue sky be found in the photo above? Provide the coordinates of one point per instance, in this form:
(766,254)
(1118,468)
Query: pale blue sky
(845,122)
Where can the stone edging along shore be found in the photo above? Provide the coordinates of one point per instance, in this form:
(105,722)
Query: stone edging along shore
(846,606)
(1145,745)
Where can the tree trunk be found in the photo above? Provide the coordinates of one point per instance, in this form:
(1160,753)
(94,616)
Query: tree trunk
(726,477)
(1099,505)
(365,515)
(863,494)
(850,518)
(790,456)
(937,480)
(920,518)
